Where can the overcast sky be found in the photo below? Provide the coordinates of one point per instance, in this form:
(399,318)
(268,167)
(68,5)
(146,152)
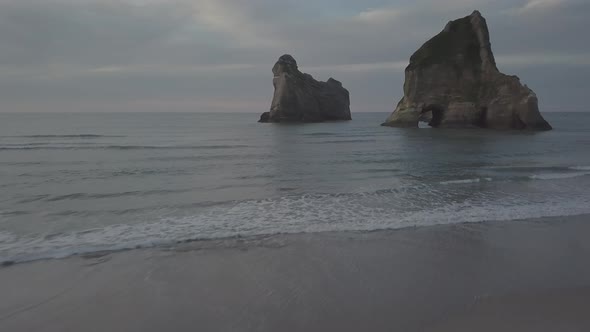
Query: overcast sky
(217,55)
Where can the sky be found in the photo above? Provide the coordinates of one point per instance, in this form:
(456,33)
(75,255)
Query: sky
(217,55)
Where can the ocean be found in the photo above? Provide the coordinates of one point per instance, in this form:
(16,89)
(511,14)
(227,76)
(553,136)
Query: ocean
(79,183)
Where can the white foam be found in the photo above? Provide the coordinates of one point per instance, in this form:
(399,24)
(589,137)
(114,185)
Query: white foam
(465,181)
(513,167)
(295,214)
(580,168)
(557,176)
(7,237)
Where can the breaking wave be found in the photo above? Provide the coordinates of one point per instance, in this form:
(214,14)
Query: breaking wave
(308,213)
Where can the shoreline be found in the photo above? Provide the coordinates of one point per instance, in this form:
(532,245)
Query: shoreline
(530,274)
(226,241)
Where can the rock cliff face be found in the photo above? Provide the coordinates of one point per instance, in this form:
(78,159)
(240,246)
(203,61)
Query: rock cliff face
(298,97)
(453,81)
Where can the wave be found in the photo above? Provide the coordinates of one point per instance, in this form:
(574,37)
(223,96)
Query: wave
(540,176)
(380,170)
(345,141)
(175,147)
(254,177)
(233,156)
(343,135)
(13,213)
(296,213)
(379,161)
(64,136)
(465,181)
(45,143)
(319,134)
(123,147)
(542,172)
(525,168)
(86,196)
(557,176)
(45,163)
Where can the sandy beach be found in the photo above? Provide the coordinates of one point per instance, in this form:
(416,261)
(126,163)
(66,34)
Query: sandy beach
(294,166)
(530,275)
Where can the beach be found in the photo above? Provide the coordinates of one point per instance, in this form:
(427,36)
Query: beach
(314,166)
(526,275)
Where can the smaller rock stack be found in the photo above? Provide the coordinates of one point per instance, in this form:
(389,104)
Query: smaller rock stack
(298,97)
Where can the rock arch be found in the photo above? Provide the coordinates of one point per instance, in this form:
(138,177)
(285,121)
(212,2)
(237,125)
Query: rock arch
(434,113)
(456,69)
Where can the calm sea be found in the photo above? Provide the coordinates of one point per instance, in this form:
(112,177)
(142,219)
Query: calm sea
(74,183)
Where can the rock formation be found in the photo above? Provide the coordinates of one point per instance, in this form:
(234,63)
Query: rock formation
(453,81)
(298,97)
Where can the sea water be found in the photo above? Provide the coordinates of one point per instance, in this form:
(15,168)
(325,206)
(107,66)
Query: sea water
(77,183)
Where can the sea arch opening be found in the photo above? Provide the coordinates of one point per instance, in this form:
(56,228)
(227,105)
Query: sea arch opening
(433,115)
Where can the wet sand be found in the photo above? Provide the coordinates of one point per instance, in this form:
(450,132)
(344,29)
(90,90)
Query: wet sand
(531,275)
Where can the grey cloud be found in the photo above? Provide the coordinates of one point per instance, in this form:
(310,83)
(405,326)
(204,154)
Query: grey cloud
(209,54)
(37,33)
(559,29)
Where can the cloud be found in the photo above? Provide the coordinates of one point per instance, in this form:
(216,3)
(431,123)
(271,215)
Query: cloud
(544,59)
(379,15)
(358,67)
(170,69)
(38,33)
(77,53)
(534,5)
(234,20)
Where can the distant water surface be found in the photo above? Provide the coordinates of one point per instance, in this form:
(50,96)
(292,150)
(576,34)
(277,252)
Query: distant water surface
(73,183)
